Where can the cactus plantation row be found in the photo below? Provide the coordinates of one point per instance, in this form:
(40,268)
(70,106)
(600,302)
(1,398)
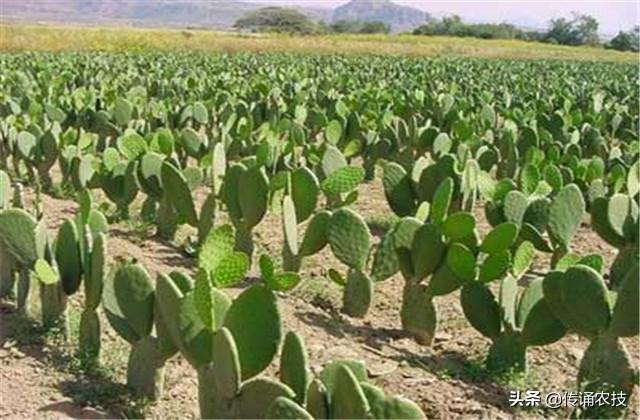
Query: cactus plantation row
(213,146)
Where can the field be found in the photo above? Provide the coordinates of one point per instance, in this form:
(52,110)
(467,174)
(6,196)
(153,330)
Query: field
(192,229)
(20,37)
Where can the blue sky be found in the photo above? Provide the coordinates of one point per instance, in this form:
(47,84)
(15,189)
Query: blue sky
(613,15)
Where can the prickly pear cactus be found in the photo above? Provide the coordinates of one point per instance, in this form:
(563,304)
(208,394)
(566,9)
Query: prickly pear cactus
(128,300)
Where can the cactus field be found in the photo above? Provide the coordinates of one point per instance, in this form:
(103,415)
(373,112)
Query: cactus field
(189,235)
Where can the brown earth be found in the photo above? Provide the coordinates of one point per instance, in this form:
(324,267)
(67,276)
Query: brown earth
(41,378)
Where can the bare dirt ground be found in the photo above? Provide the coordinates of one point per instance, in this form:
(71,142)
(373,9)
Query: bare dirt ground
(41,378)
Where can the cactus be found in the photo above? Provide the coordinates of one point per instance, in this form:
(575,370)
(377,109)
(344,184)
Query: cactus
(245,194)
(224,266)
(350,240)
(18,240)
(128,301)
(606,365)
(245,335)
(615,219)
(119,185)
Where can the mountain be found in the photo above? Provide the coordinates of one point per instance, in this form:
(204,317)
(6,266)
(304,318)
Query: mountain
(173,13)
(399,18)
(194,13)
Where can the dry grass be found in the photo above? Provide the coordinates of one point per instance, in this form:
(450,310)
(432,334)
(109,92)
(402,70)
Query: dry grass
(19,37)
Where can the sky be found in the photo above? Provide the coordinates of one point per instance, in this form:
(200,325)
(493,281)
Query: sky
(613,15)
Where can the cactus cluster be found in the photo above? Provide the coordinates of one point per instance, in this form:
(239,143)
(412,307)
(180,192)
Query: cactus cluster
(130,304)
(580,299)
(615,219)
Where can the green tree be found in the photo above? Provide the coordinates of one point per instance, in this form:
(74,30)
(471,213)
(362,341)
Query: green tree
(626,41)
(277,19)
(581,30)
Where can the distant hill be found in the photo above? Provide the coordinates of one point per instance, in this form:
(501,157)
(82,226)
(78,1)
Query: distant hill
(195,13)
(400,18)
(173,13)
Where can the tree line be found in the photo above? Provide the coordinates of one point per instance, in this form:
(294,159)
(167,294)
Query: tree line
(579,30)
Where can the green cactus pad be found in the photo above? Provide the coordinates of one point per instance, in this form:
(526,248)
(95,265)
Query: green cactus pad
(385,260)
(537,213)
(128,301)
(304,191)
(315,237)
(231,270)
(501,238)
(600,223)
(226,364)
(132,145)
(349,238)
(293,366)
(529,233)
(508,298)
(230,190)
(347,398)
(459,225)
(343,180)
(528,299)
(565,214)
(626,314)
(256,396)
(253,195)
(93,280)
(332,160)
(529,178)
(402,408)
(523,258)
(17,234)
(210,303)
(317,400)
(585,295)
(290,225)
(515,206)
(122,111)
(179,194)
(46,274)
(398,190)
(418,314)
(254,321)
(461,262)
(507,354)
(358,294)
(444,281)
(441,201)
(481,309)
(405,231)
(68,257)
(377,400)
(284,408)
(5,190)
(329,372)
(428,251)
(622,214)
(218,258)
(541,327)
(191,141)
(495,266)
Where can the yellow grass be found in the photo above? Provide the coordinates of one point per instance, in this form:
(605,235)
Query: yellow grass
(18,37)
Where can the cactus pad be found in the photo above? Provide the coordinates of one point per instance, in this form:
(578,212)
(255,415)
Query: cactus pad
(358,294)
(349,238)
(481,309)
(254,321)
